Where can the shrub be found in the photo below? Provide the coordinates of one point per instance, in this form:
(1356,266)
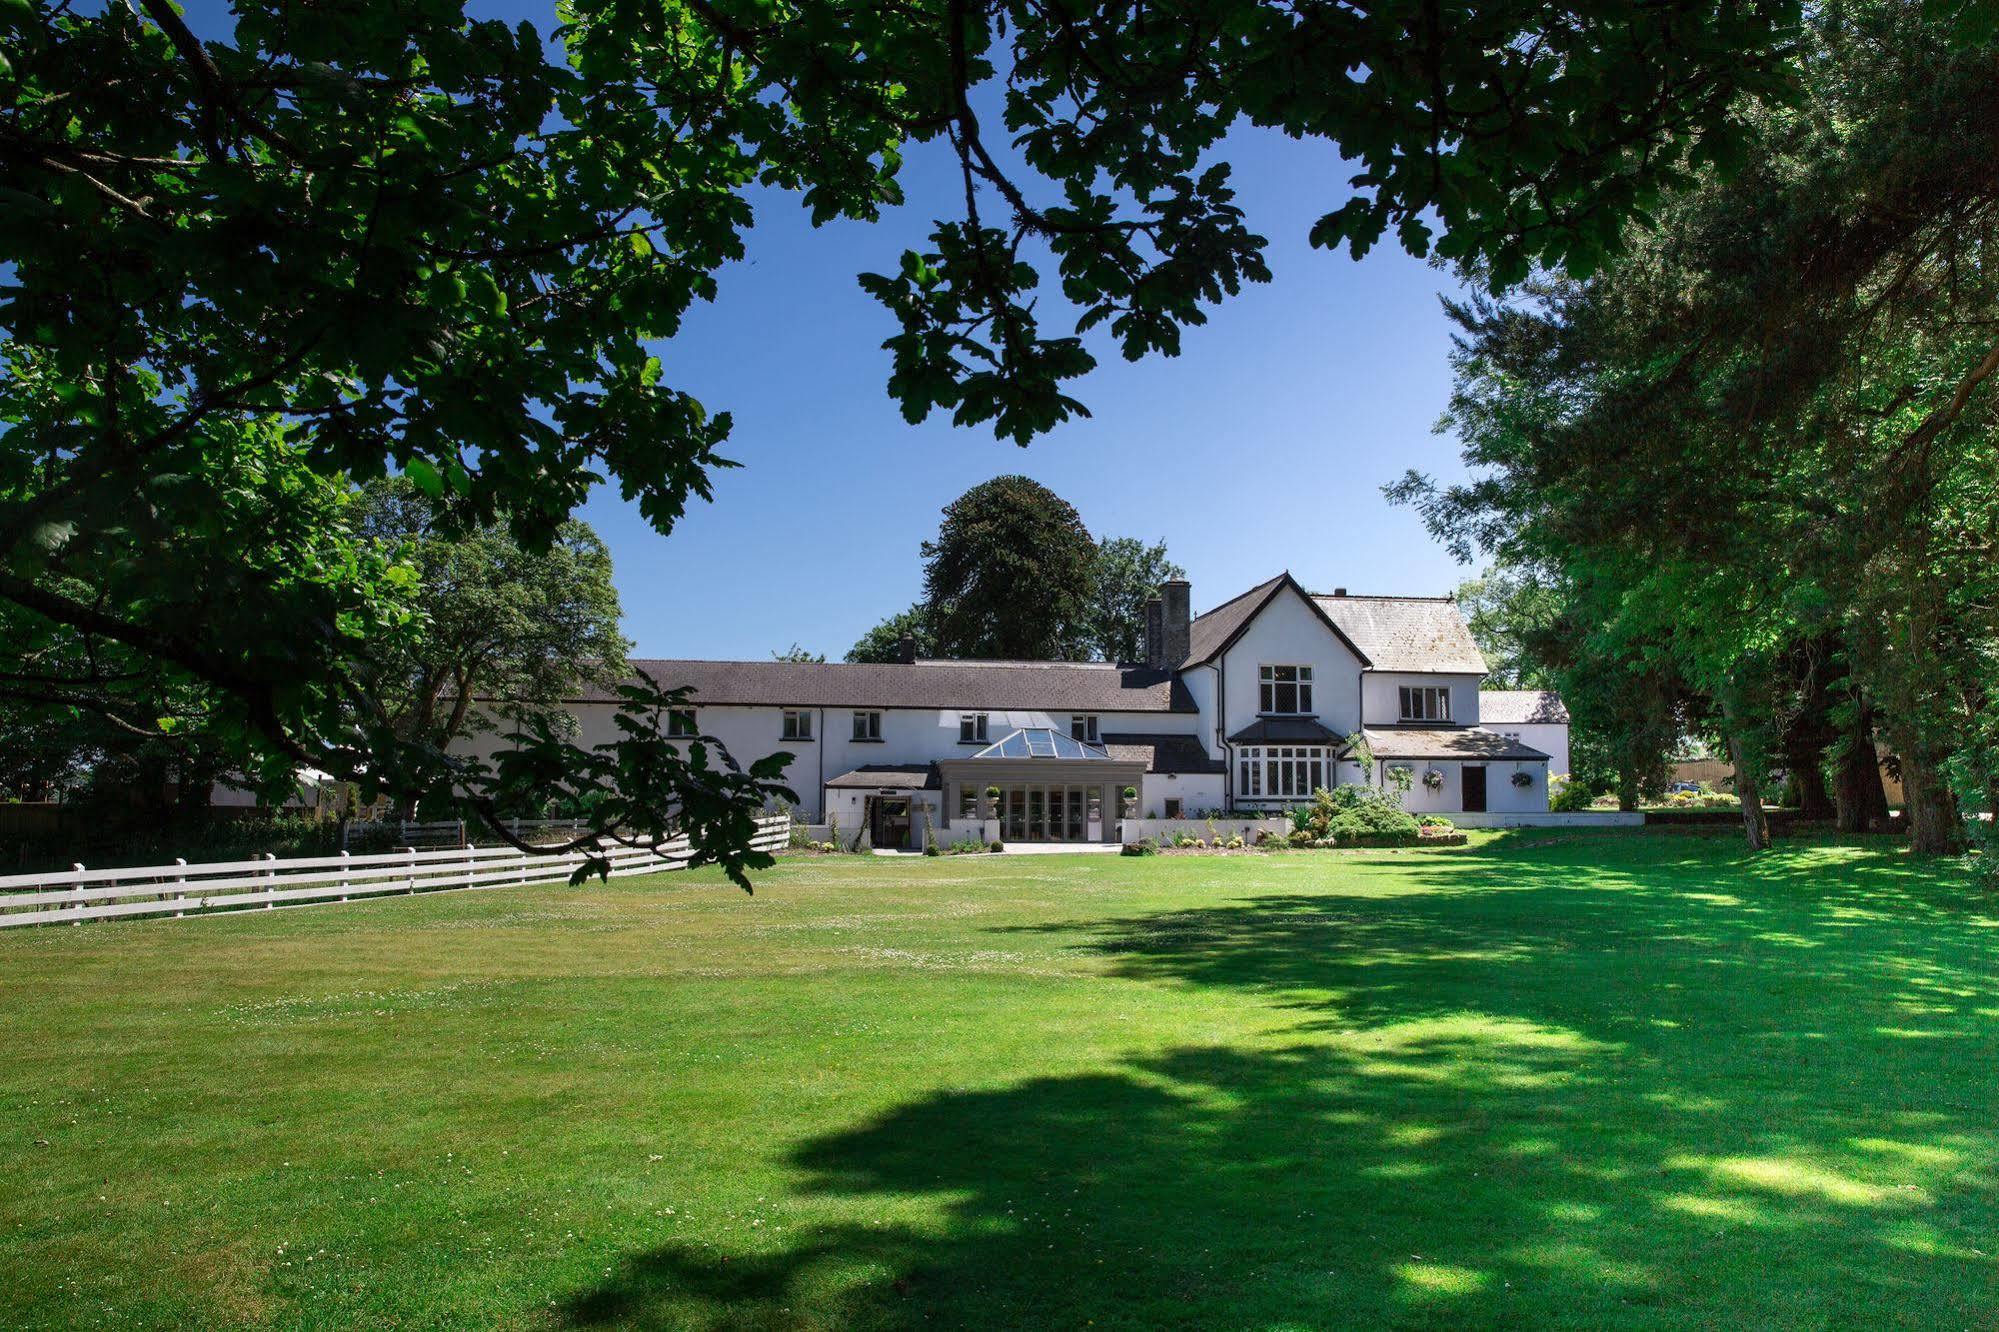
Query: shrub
(1302,837)
(932,849)
(1436,821)
(1140,848)
(1566,795)
(1236,843)
(996,847)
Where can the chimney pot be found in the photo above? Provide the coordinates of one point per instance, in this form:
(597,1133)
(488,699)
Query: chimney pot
(1339,591)
(905,649)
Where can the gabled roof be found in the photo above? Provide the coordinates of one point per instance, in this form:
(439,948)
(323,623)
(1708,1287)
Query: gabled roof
(995,685)
(1445,742)
(1522,707)
(1214,632)
(1407,633)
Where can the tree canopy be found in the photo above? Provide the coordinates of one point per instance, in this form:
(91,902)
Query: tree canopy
(341,240)
(1010,574)
(1758,448)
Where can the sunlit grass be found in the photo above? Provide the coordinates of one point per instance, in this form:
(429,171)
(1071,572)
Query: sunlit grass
(1554,1080)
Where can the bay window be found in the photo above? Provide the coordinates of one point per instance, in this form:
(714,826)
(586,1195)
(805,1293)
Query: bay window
(1281,772)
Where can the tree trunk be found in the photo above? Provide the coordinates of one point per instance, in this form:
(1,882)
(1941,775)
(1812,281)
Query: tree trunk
(1858,796)
(1748,763)
(1627,787)
(1935,826)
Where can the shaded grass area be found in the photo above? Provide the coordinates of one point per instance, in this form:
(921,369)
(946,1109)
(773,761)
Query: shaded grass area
(1555,1079)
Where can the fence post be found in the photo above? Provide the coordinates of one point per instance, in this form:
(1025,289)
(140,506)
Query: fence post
(410,851)
(180,885)
(270,880)
(345,872)
(76,867)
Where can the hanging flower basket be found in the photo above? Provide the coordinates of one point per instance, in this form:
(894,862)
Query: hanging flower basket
(1523,779)
(1433,780)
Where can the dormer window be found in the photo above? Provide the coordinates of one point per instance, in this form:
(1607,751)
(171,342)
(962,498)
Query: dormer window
(1426,703)
(1286,690)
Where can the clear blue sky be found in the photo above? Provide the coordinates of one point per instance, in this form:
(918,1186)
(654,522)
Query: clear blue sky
(1262,447)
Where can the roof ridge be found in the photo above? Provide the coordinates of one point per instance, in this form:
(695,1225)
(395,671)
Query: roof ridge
(1373,596)
(1251,591)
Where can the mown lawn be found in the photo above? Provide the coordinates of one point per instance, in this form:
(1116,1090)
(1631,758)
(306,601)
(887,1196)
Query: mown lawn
(1572,1080)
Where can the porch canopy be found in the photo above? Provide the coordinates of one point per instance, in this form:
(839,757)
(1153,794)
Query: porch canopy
(1052,787)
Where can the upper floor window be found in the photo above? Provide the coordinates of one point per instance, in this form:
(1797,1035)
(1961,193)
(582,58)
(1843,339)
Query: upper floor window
(797,724)
(867,726)
(1083,727)
(971,728)
(680,722)
(1285,688)
(1426,703)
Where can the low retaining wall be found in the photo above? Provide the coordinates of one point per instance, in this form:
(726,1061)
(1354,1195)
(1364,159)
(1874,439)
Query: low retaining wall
(1137,830)
(1595,818)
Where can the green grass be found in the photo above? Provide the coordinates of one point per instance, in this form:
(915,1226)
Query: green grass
(1551,1080)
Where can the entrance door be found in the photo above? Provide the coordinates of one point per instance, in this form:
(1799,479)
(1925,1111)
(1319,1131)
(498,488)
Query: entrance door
(890,825)
(1474,790)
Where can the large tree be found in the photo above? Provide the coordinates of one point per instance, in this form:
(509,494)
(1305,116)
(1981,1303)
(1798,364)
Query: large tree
(506,629)
(1011,574)
(1127,574)
(1769,426)
(347,238)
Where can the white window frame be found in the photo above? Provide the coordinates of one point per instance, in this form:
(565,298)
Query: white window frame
(1432,703)
(972,728)
(1083,726)
(867,725)
(1287,773)
(797,724)
(682,724)
(1267,685)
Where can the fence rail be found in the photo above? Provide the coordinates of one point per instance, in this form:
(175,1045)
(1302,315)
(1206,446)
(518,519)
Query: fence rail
(79,894)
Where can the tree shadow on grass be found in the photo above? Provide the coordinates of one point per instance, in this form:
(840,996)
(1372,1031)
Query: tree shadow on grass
(1623,1104)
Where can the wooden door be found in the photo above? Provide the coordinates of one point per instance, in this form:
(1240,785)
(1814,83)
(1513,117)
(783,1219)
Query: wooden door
(1474,801)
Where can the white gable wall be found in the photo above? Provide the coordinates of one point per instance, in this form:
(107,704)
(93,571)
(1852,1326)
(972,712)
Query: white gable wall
(1288,632)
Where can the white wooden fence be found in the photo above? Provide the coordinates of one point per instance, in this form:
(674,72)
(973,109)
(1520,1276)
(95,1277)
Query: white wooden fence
(79,894)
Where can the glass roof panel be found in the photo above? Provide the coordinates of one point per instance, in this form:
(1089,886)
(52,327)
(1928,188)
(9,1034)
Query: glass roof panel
(1041,742)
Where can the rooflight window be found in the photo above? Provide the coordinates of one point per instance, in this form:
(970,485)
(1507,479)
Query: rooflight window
(1285,690)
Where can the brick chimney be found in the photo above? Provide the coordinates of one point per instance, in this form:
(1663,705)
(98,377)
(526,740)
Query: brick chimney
(1177,594)
(1155,633)
(1339,591)
(905,649)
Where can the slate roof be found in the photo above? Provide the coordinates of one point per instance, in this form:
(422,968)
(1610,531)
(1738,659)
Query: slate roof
(1407,633)
(1043,685)
(900,776)
(1283,731)
(1212,629)
(1162,753)
(1522,707)
(1445,742)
